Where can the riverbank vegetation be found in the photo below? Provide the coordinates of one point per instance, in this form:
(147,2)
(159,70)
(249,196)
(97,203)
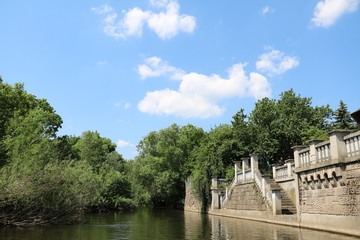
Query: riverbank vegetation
(46,178)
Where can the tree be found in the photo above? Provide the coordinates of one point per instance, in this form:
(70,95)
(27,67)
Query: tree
(94,149)
(274,126)
(16,102)
(164,163)
(214,157)
(29,140)
(343,119)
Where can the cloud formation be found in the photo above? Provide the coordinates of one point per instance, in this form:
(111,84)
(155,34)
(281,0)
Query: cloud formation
(276,62)
(122,143)
(327,12)
(155,67)
(267,9)
(166,24)
(198,94)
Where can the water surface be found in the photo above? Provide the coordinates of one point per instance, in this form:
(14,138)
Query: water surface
(165,224)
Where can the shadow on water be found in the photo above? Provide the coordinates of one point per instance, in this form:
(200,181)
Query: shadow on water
(162,224)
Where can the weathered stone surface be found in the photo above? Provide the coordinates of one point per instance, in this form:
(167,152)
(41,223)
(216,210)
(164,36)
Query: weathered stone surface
(336,199)
(246,197)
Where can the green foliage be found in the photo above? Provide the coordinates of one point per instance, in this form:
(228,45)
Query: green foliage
(277,125)
(16,103)
(58,193)
(93,148)
(343,119)
(158,175)
(49,179)
(313,133)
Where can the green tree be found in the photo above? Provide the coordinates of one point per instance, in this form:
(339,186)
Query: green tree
(164,163)
(343,119)
(93,148)
(16,102)
(29,140)
(278,124)
(214,157)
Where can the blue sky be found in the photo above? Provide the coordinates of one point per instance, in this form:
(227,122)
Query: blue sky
(128,67)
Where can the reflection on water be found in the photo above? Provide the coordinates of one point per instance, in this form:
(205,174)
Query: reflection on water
(165,224)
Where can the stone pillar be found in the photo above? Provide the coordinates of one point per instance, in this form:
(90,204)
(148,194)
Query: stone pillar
(274,170)
(297,149)
(289,170)
(337,144)
(215,199)
(276,201)
(214,182)
(237,168)
(245,166)
(254,161)
(313,153)
(215,203)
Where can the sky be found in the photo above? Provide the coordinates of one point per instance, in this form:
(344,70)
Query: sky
(125,68)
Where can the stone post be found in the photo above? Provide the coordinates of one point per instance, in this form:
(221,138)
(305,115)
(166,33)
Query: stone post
(276,201)
(274,170)
(337,144)
(254,164)
(215,203)
(265,180)
(289,163)
(313,153)
(237,167)
(214,182)
(297,149)
(245,166)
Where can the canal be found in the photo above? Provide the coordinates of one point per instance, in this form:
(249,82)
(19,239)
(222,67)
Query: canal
(164,225)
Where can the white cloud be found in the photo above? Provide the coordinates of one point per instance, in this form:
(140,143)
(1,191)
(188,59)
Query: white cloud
(155,67)
(267,9)
(102,9)
(127,105)
(276,62)
(327,12)
(122,143)
(166,24)
(170,23)
(198,95)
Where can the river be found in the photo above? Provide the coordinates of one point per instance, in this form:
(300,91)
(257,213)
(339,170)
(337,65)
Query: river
(164,225)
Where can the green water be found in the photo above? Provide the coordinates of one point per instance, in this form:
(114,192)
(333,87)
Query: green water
(164,224)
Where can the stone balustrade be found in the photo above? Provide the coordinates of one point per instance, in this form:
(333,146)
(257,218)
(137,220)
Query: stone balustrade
(352,142)
(341,146)
(285,171)
(323,151)
(304,157)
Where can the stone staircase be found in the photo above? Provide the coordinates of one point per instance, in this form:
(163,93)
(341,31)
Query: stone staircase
(287,206)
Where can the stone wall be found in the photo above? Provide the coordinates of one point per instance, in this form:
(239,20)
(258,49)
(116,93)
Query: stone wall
(331,190)
(246,197)
(191,202)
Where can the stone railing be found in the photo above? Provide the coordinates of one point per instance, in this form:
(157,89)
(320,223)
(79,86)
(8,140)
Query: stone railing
(245,176)
(263,183)
(304,157)
(352,142)
(341,146)
(323,151)
(285,171)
